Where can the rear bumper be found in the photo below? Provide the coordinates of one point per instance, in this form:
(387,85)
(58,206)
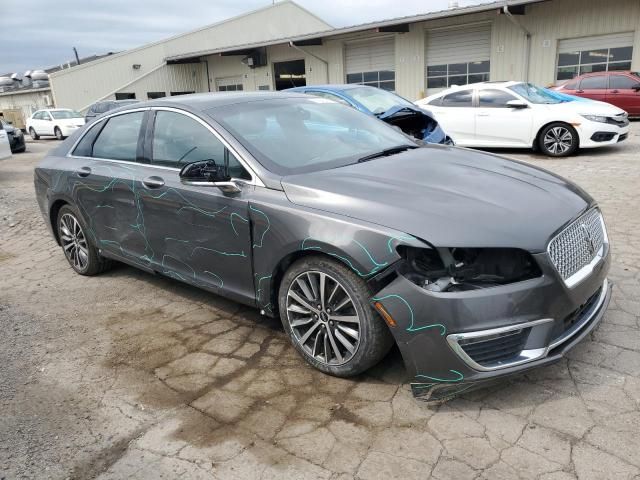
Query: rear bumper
(430,325)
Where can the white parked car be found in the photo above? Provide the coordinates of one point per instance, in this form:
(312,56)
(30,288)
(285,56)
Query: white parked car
(5,148)
(522,115)
(54,122)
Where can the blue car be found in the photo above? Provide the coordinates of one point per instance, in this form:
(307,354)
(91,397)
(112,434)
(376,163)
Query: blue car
(387,106)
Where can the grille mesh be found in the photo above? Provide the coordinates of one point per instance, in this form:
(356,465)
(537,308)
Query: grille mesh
(578,244)
(493,350)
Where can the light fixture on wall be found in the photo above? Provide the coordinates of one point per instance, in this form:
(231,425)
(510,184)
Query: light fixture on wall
(136,66)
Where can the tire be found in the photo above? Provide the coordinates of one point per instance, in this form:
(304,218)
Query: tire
(558,140)
(344,293)
(58,133)
(77,247)
(33,134)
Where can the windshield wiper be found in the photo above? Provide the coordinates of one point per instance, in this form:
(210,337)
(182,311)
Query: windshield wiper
(388,152)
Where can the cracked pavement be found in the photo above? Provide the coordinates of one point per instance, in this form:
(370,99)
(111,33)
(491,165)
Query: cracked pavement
(127,375)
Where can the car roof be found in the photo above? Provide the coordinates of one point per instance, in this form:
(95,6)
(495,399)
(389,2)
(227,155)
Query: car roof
(207,101)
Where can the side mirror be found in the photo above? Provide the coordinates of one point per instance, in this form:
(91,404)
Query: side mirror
(518,104)
(207,173)
(636,87)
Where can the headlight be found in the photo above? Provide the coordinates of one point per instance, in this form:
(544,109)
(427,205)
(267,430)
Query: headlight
(596,118)
(461,269)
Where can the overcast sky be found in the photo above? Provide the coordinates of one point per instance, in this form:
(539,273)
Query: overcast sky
(43,34)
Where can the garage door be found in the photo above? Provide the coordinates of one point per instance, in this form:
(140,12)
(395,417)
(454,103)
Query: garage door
(371,62)
(594,54)
(458,56)
(229,84)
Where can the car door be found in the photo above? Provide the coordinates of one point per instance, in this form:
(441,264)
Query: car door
(456,115)
(197,233)
(497,124)
(106,186)
(46,124)
(624,92)
(36,122)
(593,87)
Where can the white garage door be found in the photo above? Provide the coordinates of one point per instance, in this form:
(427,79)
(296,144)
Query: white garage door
(229,84)
(371,62)
(458,56)
(594,54)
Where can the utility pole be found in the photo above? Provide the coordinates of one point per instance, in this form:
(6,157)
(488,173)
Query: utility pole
(77,58)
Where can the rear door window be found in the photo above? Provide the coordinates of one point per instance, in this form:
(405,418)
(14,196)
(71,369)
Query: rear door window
(622,82)
(463,98)
(118,140)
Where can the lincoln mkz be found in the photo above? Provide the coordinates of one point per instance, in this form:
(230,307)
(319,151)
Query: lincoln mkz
(475,266)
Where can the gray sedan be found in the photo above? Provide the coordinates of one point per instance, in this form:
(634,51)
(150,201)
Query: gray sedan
(477,267)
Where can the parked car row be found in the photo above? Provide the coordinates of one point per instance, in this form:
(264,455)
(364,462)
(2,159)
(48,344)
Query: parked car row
(354,234)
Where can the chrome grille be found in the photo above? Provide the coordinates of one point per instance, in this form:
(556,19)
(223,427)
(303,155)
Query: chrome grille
(578,244)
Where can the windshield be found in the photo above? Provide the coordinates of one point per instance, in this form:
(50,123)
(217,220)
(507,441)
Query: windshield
(289,136)
(64,114)
(376,100)
(534,94)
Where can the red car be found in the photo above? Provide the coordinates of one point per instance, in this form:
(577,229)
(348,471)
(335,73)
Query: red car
(621,89)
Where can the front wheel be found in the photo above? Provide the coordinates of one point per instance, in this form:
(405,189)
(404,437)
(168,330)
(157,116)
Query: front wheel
(324,308)
(78,249)
(33,134)
(58,133)
(558,140)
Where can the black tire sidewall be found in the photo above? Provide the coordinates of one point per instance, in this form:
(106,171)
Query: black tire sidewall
(58,133)
(93,261)
(375,338)
(34,135)
(574,143)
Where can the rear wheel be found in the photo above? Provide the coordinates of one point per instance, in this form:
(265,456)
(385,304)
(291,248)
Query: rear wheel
(76,245)
(558,140)
(58,133)
(324,308)
(33,134)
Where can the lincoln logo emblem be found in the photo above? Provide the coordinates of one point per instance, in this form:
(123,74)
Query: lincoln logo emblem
(588,240)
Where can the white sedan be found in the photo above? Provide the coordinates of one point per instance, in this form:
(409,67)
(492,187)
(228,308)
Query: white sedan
(521,115)
(54,122)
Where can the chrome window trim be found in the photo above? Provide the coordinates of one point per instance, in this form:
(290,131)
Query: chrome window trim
(587,270)
(255,180)
(524,356)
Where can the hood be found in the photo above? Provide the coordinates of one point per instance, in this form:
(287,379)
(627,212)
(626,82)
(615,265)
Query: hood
(450,197)
(403,109)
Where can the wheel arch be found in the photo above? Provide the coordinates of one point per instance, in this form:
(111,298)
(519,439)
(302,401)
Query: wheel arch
(53,217)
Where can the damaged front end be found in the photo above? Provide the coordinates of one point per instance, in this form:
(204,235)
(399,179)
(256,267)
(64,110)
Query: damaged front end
(416,123)
(463,317)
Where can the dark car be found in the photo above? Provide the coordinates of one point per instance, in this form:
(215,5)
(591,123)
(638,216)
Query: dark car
(618,88)
(476,266)
(15,136)
(387,106)
(99,108)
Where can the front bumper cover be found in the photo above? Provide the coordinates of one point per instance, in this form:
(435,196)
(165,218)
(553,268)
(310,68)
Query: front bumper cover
(426,320)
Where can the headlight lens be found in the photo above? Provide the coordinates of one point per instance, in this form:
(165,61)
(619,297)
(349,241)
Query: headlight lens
(596,118)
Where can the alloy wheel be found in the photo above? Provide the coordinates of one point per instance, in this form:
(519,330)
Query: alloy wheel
(323,318)
(558,140)
(74,242)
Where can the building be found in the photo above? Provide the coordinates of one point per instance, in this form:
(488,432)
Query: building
(542,41)
(21,95)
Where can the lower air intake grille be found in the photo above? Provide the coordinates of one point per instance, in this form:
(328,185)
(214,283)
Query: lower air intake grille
(495,349)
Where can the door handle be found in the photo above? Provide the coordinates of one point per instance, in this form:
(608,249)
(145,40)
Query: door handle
(579,91)
(615,91)
(153,182)
(83,171)
(483,114)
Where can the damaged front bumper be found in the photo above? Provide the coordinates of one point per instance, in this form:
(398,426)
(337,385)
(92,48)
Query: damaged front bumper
(453,342)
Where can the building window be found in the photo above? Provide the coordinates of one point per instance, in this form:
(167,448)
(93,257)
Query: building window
(125,96)
(443,76)
(385,79)
(173,94)
(230,88)
(571,64)
(154,95)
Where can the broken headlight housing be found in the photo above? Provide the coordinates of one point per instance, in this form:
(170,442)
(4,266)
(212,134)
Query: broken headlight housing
(462,269)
